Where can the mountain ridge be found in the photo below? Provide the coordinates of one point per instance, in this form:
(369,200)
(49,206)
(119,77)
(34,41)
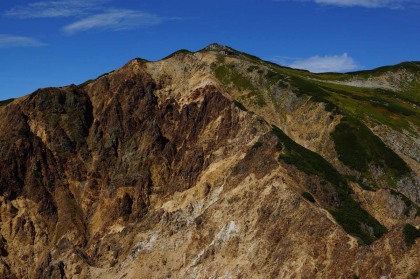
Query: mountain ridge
(212,154)
(219,47)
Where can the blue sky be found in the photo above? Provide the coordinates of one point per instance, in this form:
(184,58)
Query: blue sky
(55,43)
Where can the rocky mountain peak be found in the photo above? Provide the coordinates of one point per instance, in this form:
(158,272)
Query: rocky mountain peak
(221,49)
(212,164)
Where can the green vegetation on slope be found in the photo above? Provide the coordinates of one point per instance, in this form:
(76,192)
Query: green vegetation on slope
(306,160)
(350,215)
(409,205)
(391,108)
(240,105)
(358,147)
(318,94)
(228,75)
(408,66)
(395,109)
(411,233)
(370,104)
(355,221)
(308,197)
(355,144)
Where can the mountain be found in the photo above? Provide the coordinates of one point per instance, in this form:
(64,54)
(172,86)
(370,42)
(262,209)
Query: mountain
(213,164)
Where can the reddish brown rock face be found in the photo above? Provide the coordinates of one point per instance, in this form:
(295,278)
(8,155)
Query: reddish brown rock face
(154,171)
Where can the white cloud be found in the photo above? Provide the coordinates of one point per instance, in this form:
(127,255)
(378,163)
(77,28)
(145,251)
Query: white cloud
(328,63)
(114,20)
(392,4)
(361,3)
(7,41)
(91,14)
(51,9)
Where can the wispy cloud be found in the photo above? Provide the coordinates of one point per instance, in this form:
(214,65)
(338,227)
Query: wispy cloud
(114,20)
(51,9)
(392,4)
(7,41)
(362,3)
(328,63)
(88,15)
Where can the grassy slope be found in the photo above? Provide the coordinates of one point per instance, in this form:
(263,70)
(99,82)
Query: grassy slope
(356,145)
(395,109)
(350,215)
(360,105)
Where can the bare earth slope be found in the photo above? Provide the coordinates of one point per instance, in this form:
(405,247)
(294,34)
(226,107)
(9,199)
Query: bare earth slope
(212,164)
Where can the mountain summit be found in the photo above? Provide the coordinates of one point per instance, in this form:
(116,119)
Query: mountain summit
(213,164)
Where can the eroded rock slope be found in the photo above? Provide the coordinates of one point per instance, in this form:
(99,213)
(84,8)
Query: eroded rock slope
(212,164)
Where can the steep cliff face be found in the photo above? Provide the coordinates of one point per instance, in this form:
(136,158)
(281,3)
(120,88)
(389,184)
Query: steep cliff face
(206,164)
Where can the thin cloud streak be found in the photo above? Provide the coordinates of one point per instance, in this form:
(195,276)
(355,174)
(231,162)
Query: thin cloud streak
(114,20)
(8,41)
(391,4)
(328,63)
(362,3)
(54,9)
